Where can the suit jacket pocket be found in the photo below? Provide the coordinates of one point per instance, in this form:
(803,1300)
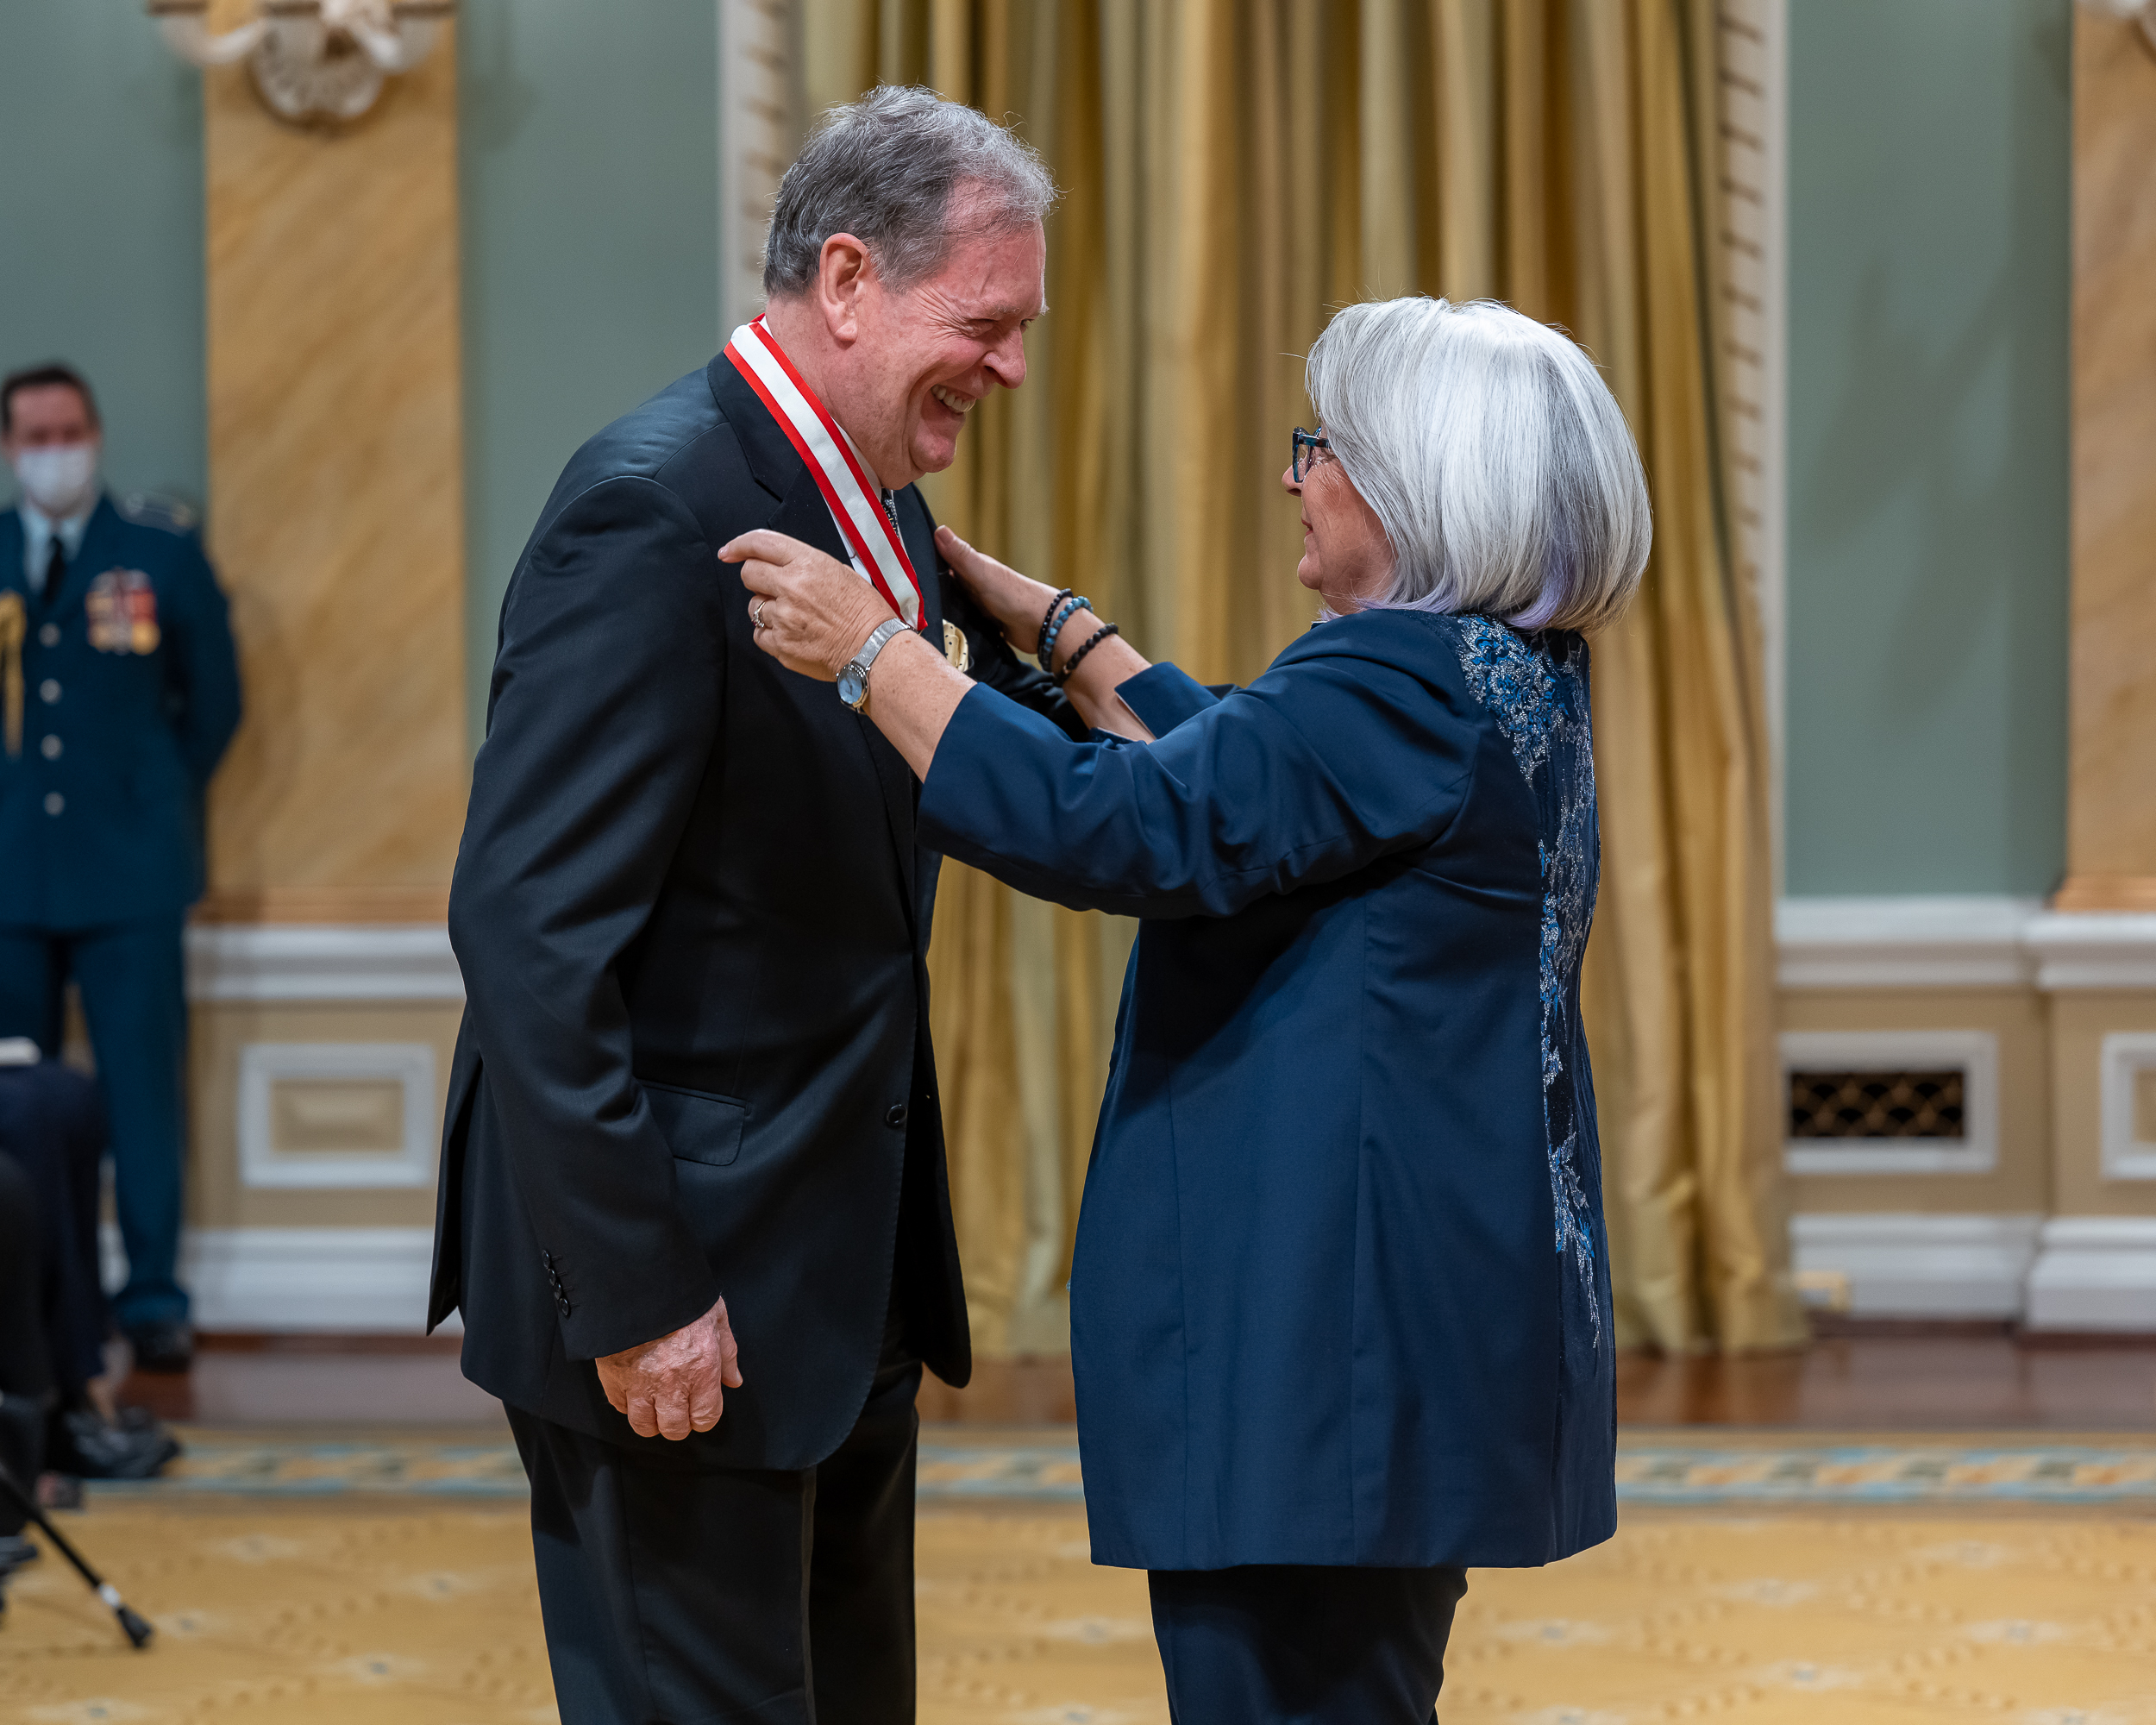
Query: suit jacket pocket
(698,1125)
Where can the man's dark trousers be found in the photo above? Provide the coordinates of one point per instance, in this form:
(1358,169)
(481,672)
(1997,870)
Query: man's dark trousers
(742,1594)
(52,1129)
(134,997)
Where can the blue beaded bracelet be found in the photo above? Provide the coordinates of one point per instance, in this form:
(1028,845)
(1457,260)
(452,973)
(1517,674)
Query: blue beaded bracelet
(1071,607)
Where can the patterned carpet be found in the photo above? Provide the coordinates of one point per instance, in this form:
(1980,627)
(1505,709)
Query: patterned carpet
(2002,1585)
(1666,1468)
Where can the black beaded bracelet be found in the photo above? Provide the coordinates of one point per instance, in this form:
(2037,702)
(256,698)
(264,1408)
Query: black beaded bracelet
(1071,607)
(1093,641)
(1040,647)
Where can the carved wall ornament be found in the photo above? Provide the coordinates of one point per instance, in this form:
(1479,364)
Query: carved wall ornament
(313,60)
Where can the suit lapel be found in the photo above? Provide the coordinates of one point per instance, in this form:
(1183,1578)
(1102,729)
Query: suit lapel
(919,531)
(802,514)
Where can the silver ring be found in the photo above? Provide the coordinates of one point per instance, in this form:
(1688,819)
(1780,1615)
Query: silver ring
(755,613)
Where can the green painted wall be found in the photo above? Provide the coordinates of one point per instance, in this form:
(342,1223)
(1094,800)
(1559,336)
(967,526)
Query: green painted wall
(101,228)
(588,135)
(1929,173)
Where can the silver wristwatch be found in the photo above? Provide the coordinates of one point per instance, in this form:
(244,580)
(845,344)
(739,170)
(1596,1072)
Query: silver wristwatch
(853,681)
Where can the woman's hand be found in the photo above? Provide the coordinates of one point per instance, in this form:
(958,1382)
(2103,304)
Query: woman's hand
(1017,603)
(813,613)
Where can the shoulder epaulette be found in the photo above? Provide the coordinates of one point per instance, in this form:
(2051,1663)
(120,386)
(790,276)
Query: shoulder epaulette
(148,509)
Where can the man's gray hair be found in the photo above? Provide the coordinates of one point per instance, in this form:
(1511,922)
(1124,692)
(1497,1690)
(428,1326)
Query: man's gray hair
(885,169)
(1494,454)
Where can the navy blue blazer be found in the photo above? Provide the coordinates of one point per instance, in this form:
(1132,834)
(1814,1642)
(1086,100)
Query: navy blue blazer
(1340,1295)
(131,692)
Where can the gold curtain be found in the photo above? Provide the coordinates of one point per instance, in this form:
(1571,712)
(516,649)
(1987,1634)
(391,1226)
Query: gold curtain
(1232,170)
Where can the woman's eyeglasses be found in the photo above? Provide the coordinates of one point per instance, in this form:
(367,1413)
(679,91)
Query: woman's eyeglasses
(1319,447)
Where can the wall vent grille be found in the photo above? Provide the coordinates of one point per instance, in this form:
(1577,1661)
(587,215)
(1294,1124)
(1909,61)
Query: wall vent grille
(1878,1105)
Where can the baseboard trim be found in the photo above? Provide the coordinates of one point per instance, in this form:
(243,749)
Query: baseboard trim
(2094,1273)
(302,1280)
(1922,1266)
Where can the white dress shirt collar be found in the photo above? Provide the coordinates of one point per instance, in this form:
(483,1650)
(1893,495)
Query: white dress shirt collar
(38,529)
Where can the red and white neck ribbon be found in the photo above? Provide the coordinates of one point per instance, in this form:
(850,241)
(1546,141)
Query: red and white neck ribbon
(841,474)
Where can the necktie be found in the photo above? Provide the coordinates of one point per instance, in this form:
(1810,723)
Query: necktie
(56,571)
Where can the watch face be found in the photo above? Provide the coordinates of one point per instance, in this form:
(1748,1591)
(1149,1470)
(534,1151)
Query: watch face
(852,686)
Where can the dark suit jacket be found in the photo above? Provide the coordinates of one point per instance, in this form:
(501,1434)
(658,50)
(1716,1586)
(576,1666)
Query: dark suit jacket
(125,736)
(1340,1293)
(692,920)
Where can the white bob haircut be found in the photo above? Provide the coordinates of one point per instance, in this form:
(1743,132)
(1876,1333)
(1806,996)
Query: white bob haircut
(1494,454)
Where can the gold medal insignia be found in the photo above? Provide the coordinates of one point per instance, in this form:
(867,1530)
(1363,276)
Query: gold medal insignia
(956,648)
(122,608)
(14,624)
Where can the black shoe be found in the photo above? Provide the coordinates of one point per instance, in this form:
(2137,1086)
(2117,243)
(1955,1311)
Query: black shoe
(14,1552)
(83,1444)
(165,1345)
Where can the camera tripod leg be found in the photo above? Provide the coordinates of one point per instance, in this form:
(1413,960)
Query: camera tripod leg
(136,1629)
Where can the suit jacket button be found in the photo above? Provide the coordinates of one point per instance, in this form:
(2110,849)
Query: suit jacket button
(564,1303)
(48,635)
(894,1116)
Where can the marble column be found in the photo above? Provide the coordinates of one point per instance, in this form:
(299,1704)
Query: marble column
(2111,823)
(337,502)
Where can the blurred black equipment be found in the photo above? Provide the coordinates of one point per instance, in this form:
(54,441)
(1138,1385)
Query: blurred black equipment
(135,1629)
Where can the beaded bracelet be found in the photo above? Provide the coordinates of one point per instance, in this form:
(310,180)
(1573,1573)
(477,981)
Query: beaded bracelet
(1092,641)
(1071,607)
(1040,648)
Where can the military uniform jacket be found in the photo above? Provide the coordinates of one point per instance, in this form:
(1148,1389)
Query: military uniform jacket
(693,919)
(130,693)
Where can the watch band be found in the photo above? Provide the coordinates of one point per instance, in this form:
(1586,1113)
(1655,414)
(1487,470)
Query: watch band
(880,637)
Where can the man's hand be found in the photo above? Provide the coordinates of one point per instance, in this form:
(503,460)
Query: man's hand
(671,1387)
(811,612)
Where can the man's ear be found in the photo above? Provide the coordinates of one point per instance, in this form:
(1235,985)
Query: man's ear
(843,273)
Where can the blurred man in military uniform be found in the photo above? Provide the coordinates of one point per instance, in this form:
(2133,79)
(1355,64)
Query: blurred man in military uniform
(118,693)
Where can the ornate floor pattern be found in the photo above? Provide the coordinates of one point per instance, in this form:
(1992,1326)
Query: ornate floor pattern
(957,1465)
(354,1611)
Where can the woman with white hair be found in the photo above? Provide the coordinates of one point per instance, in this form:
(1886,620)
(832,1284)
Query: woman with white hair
(1340,1302)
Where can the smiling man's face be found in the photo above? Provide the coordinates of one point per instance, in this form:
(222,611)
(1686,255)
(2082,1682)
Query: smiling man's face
(926,356)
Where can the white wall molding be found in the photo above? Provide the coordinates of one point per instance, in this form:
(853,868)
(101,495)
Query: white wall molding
(1951,941)
(2126,1054)
(322,962)
(2094,1273)
(2076,950)
(264,1065)
(296,1281)
(1922,1266)
(1975,1051)
(1926,941)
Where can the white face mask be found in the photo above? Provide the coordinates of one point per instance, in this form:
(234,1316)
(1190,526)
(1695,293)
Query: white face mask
(58,478)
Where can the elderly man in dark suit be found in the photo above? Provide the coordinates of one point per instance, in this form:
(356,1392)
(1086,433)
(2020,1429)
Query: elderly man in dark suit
(693,1205)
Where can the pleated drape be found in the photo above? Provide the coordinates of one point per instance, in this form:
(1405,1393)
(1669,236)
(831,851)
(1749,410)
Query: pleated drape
(1233,170)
